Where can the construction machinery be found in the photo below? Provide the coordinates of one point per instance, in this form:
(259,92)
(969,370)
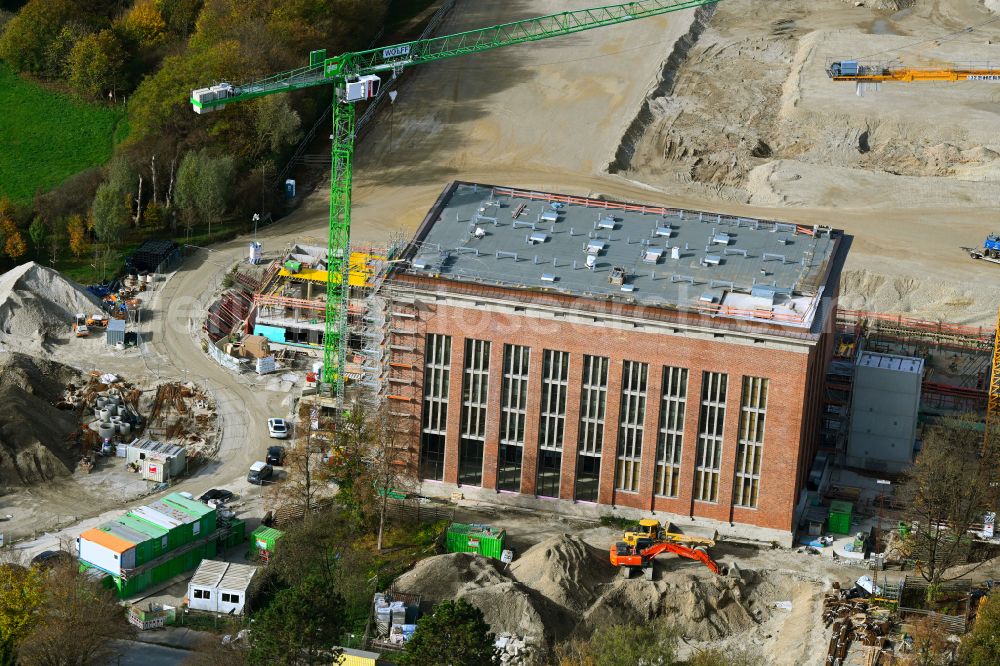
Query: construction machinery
(990,251)
(856,72)
(643,543)
(357,77)
(80,325)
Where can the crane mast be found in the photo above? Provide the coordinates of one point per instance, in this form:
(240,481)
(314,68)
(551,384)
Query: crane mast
(355,78)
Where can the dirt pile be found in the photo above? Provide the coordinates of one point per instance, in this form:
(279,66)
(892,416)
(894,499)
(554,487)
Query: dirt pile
(34,444)
(564,569)
(37,305)
(564,587)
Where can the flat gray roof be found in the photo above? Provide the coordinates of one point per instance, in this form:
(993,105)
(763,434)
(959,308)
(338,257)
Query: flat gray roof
(732,266)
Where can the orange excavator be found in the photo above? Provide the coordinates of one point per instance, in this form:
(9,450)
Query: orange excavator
(640,547)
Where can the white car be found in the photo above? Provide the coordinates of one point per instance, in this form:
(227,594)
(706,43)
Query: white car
(278,428)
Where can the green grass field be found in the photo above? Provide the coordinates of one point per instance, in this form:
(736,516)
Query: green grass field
(46,137)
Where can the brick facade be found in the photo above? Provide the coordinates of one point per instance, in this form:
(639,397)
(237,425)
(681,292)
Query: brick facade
(793,364)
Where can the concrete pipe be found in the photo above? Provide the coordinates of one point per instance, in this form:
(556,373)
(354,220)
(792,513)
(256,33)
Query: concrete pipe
(104,414)
(101,402)
(124,428)
(106,430)
(114,399)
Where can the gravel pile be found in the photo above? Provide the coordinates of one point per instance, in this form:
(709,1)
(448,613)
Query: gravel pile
(34,435)
(563,587)
(37,305)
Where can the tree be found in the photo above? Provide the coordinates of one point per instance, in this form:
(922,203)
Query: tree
(930,645)
(653,643)
(77,233)
(95,64)
(374,459)
(20,599)
(57,234)
(154,215)
(38,232)
(179,15)
(109,213)
(303,624)
(946,492)
(13,244)
(203,186)
(455,634)
(143,25)
(981,646)
(307,475)
(276,123)
(76,624)
(27,38)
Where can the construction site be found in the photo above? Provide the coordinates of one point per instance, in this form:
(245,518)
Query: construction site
(586,299)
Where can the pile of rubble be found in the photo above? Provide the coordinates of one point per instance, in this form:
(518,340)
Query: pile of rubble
(855,619)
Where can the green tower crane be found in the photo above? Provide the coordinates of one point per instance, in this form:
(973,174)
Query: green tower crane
(355,77)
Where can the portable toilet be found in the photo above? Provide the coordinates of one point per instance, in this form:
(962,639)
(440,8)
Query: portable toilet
(290,188)
(256,252)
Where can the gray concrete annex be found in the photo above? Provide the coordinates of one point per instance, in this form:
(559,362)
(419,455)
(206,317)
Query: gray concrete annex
(670,257)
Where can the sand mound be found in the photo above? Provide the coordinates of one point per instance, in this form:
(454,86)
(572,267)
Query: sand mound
(702,607)
(565,570)
(37,304)
(445,576)
(33,433)
(563,587)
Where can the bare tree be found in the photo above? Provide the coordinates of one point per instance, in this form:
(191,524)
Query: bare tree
(947,492)
(307,474)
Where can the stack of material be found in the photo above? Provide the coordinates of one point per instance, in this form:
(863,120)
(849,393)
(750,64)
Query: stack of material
(37,305)
(514,649)
(854,620)
(395,617)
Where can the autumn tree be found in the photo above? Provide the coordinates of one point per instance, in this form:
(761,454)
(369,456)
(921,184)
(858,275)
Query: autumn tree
(143,25)
(981,646)
(930,646)
(946,492)
(307,474)
(20,599)
(77,233)
(95,64)
(27,41)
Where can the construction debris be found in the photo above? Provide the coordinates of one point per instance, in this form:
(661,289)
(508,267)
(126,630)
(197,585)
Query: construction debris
(853,619)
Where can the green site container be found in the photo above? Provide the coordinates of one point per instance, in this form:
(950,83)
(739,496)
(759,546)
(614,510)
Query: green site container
(904,529)
(482,539)
(262,542)
(237,533)
(293,266)
(839,521)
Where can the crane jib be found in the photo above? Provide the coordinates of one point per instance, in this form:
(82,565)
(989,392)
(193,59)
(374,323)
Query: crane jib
(355,78)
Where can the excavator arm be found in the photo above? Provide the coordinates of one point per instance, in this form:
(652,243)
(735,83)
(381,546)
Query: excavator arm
(625,555)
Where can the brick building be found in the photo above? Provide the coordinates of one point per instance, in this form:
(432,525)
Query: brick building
(590,356)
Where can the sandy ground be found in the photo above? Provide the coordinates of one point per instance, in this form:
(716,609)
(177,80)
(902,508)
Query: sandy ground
(552,115)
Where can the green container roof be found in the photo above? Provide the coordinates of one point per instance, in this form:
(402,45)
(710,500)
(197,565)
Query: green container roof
(267,533)
(476,529)
(193,508)
(838,506)
(146,528)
